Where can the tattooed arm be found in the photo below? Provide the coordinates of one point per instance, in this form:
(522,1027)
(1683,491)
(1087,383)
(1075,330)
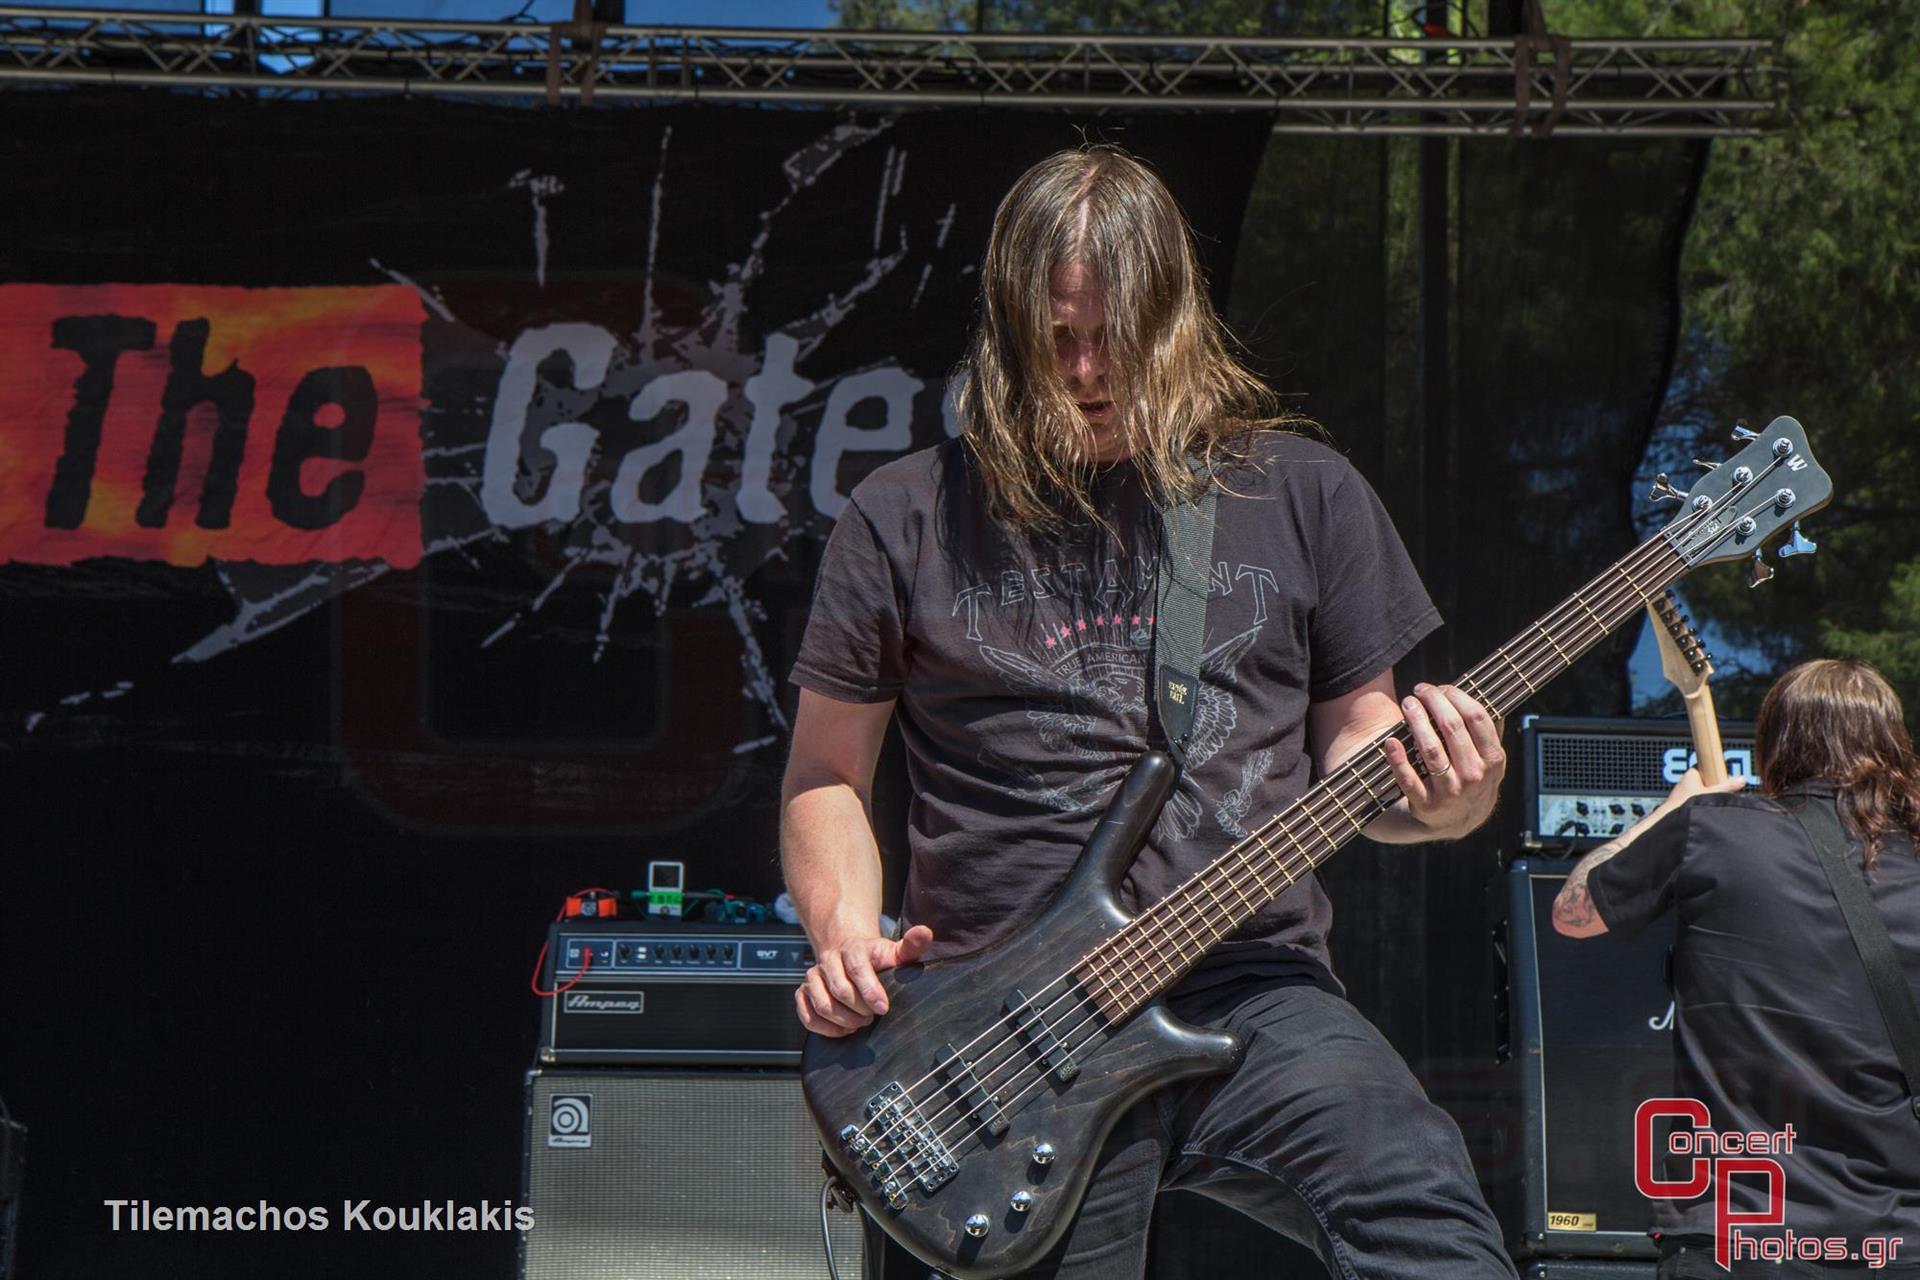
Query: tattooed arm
(1573,910)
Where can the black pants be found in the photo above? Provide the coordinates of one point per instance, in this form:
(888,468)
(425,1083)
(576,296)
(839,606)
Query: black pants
(1322,1134)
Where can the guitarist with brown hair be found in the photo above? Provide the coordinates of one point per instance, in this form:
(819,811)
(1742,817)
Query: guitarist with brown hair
(996,593)
(1777,1022)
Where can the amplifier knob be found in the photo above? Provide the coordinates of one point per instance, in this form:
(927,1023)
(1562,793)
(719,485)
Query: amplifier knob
(977,1225)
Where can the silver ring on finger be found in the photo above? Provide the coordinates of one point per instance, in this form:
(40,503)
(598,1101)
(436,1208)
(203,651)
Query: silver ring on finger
(1441,773)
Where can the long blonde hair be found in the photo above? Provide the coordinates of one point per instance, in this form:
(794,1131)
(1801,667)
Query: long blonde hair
(1181,392)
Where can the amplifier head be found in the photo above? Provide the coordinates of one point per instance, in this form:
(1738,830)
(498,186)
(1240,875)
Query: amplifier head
(1586,779)
(664,993)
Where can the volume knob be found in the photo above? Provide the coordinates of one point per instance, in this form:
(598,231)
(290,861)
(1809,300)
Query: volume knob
(977,1225)
(1043,1154)
(1021,1202)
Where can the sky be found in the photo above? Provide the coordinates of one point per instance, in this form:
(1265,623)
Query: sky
(687,13)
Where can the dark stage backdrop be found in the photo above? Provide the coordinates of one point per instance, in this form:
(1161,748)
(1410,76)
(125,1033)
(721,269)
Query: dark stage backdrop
(408,514)
(1500,403)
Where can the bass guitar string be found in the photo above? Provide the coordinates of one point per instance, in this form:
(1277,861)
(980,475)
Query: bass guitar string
(1144,940)
(1338,791)
(1188,895)
(1381,770)
(1333,802)
(1610,599)
(1158,933)
(1151,931)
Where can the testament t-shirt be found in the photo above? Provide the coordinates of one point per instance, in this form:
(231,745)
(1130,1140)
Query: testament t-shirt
(1021,669)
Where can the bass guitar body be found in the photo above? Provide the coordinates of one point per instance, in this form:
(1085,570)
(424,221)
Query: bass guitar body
(967,1118)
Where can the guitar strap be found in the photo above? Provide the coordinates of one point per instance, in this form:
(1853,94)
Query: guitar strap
(1180,614)
(1890,990)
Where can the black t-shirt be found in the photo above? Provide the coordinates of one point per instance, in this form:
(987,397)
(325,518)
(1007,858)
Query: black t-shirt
(1775,1021)
(1021,672)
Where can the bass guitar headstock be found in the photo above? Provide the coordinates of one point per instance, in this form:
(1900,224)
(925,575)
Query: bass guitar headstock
(1739,504)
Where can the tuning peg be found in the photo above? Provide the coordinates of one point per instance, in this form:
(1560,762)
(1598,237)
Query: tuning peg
(1742,434)
(1663,488)
(1761,570)
(1704,465)
(1797,544)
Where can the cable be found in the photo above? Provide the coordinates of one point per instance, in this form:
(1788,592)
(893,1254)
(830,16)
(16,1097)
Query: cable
(826,1234)
(586,962)
(586,957)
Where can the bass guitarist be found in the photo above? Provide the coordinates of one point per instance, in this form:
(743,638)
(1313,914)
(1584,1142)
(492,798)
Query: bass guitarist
(996,594)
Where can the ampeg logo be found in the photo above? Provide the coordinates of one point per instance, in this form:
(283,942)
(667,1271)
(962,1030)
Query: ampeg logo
(570,1120)
(594,1002)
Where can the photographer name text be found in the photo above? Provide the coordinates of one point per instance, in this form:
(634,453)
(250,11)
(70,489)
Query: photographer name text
(353,1215)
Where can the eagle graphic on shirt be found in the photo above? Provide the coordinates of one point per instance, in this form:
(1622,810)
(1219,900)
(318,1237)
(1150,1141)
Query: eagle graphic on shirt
(1105,677)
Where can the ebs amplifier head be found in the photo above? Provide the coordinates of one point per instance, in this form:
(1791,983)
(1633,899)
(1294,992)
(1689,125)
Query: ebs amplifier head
(1589,778)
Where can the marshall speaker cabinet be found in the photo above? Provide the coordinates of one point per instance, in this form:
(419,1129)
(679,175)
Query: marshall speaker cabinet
(1591,1034)
(664,1175)
(1588,778)
(649,994)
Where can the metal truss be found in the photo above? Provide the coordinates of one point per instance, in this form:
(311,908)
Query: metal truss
(1537,85)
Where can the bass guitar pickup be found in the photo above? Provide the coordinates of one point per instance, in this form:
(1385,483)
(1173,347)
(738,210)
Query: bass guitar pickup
(1033,1027)
(974,1098)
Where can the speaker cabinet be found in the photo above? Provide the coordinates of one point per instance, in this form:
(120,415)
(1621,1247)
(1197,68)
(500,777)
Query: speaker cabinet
(1592,1023)
(634,1175)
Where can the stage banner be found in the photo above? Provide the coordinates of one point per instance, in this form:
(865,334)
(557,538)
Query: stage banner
(596,384)
(409,512)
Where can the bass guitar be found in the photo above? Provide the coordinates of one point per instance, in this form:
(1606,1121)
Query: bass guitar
(967,1119)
